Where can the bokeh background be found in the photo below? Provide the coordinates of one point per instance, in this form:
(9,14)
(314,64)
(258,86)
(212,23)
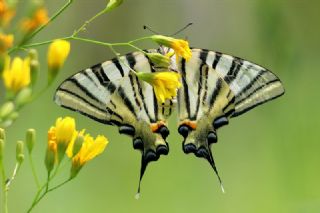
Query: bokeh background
(269,158)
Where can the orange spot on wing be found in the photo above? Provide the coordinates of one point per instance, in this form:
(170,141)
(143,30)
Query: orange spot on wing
(155,126)
(191,124)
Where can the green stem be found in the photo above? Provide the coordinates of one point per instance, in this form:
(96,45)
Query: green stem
(45,193)
(88,22)
(34,172)
(14,174)
(48,180)
(52,18)
(139,39)
(34,33)
(4,188)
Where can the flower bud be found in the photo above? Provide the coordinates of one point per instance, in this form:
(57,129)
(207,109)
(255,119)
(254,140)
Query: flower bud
(6,109)
(34,66)
(2,134)
(30,139)
(51,155)
(57,54)
(159,60)
(113,4)
(19,152)
(6,41)
(2,144)
(23,97)
(181,47)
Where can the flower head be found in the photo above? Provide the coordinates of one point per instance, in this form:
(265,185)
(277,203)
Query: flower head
(62,134)
(39,18)
(181,47)
(6,13)
(6,42)
(90,148)
(64,130)
(16,75)
(57,53)
(165,84)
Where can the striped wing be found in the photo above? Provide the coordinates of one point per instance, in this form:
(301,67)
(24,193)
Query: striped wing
(216,87)
(251,84)
(110,94)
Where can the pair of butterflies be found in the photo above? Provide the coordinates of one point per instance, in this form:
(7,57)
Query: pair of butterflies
(215,87)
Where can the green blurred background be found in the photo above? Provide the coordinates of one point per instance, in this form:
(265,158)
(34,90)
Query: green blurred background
(268,158)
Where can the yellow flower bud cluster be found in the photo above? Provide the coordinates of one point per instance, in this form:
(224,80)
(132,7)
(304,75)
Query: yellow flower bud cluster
(81,147)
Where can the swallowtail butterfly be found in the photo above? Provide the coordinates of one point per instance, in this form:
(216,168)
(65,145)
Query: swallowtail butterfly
(215,88)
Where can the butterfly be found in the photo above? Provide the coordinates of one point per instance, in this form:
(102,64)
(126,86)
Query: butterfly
(215,87)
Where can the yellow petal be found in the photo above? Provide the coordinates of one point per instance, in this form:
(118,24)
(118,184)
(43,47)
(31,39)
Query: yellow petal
(57,53)
(165,84)
(17,76)
(65,129)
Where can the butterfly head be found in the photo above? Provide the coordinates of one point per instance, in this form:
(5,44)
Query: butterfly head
(149,140)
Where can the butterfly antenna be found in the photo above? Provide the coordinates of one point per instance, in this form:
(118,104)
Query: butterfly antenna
(182,29)
(211,161)
(142,170)
(151,30)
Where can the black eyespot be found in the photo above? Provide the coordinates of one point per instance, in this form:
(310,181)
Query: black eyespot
(151,156)
(184,130)
(189,148)
(202,152)
(162,150)
(212,138)
(164,131)
(127,130)
(219,122)
(137,144)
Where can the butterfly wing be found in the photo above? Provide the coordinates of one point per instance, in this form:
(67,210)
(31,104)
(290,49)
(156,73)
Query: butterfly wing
(111,94)
(216,87)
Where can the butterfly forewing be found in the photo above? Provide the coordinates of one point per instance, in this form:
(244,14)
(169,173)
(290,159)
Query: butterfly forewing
(251,84)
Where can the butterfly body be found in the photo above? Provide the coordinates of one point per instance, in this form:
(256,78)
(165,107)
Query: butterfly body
(215,87)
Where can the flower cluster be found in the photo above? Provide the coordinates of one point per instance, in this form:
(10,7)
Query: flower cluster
(80,147)
(165,82)
(20,73)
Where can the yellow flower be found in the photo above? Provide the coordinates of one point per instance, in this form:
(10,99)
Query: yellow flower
(62,134)
(165,84)
(181,47)
(16,75)
(6,42)
(39,18)
(6,13)
(57,53)
(90,149)
(64,130)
